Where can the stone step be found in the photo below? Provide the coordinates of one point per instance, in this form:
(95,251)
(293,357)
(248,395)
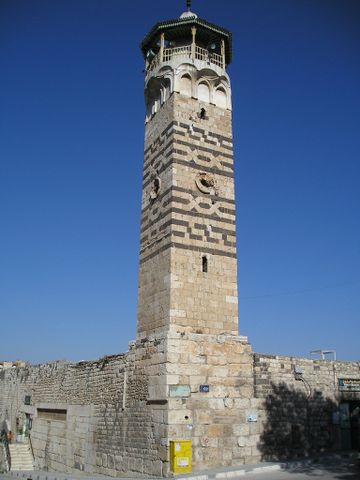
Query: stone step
(22,466)
(21,457)
(21,461)
(20,452)
(18,448)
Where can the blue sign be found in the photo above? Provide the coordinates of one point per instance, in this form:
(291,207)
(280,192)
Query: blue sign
(204,388)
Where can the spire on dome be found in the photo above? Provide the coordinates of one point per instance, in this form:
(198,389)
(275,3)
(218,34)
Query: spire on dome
(188,12)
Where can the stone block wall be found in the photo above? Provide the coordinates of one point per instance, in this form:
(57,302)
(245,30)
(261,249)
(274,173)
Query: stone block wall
(92,416)
(203,220)
(185,223)
(154,269)
(300,403)
(118,414)
(2,458)
(215,421)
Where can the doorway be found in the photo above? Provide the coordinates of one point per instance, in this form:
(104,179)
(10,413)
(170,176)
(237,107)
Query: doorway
(350,425)
(354,412)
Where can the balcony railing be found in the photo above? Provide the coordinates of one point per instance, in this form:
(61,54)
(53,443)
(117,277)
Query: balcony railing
(208,56)
(187,52)
(169,53)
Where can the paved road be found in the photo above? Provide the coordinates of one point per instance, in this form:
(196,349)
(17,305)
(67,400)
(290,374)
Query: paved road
(331,467)
(341,470)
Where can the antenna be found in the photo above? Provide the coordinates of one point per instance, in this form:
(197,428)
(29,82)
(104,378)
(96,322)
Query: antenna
(322,353)
(188,5)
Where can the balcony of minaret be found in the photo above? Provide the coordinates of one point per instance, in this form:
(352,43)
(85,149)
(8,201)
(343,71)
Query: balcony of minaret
(172,54)
(189,56)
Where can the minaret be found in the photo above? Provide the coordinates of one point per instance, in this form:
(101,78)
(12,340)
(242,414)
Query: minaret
(188,271)
(200,383)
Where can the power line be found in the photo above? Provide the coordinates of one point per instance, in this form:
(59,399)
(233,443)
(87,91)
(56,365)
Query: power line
(299,292)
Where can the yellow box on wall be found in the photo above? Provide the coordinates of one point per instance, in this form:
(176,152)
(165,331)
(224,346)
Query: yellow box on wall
(180,456)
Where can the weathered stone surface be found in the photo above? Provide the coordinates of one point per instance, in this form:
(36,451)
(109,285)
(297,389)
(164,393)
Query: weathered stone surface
(114,423)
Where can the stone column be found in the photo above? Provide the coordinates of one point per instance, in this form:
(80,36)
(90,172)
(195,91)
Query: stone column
(193,44)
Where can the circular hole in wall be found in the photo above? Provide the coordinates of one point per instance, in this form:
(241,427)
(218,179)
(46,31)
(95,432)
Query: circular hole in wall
(205,182)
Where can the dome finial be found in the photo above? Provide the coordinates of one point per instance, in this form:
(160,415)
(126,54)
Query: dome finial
(188,12)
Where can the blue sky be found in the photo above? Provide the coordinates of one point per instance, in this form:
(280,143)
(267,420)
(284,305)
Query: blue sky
(71,152)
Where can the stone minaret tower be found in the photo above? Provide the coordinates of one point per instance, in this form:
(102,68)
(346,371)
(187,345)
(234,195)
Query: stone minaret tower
(198,370)
(188,278)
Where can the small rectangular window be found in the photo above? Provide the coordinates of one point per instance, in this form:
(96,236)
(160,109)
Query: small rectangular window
(204,264)
(51,413)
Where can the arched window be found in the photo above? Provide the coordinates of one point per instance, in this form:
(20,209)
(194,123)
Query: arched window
(149,107)
(157,103)
(154,107)
(220,98)
(185,85)
(203,92)
(163,95)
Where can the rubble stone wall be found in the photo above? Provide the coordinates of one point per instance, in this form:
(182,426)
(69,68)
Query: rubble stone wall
(118,414)
(301,412)
(91,416)
(2,458)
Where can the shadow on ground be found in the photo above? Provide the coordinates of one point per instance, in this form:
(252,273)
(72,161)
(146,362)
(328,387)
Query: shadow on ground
(334,468)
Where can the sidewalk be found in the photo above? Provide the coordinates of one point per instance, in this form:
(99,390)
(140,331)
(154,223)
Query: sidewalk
(221,473)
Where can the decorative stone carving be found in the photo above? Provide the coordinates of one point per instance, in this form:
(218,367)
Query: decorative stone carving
(205,182)
(155,190)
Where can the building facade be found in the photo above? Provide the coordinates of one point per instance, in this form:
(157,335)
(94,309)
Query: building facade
(188,375)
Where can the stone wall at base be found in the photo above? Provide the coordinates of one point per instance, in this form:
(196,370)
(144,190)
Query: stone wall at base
(217,372)
(91,416)
(303,407)
(119,413)
(2,458)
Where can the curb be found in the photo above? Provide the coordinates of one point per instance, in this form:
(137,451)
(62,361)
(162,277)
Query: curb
(218,474)
(234,472)
(247,469)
